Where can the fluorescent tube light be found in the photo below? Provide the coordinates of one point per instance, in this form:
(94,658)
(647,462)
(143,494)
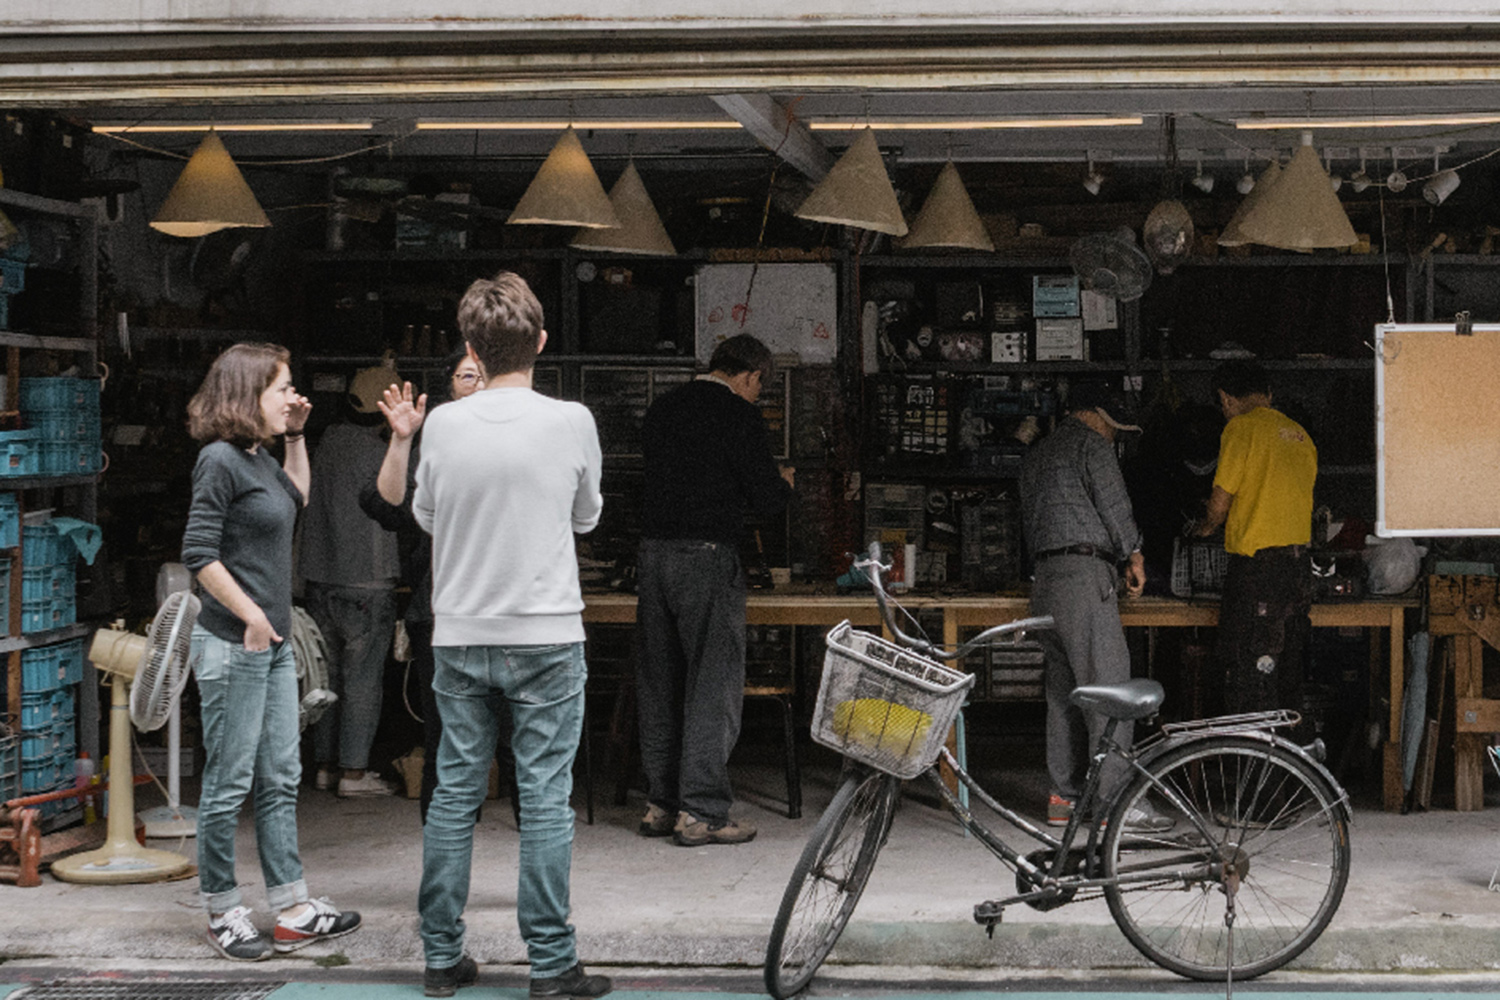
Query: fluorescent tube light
(1414,121)
(538,125)
(238,127)
(972,124)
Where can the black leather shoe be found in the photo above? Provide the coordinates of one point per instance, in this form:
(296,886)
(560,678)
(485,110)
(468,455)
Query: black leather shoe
(573,983)
(443,982)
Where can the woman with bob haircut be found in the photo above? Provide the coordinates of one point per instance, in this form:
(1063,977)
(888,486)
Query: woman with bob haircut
(238,542)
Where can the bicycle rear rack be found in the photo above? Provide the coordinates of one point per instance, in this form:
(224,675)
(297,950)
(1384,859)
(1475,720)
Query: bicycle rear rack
(1227,725)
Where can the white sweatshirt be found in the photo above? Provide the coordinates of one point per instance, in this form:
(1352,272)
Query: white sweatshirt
(505,477)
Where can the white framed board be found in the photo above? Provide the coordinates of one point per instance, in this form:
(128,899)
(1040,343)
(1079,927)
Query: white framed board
(1437,430)
(792,308)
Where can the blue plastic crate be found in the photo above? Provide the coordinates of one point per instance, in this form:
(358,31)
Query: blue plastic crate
(65,703)
(47,668)
(12,276)
(59,394)
(36,616)
(39,743)
(19,454)
(65,612)
(38,582)
(10,521)
(66,425)
(70,654)
(40,708)
(39,775)
(65,458)
(41,545)
(4,312)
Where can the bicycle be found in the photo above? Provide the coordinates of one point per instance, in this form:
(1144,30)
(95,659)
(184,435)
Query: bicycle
(1249,874)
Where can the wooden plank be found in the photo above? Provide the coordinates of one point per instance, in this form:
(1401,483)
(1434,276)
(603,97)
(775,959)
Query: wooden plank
(1468,749)
(1392,794)
(1478,715)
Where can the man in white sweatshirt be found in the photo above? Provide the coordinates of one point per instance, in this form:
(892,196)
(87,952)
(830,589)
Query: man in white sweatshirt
(507,477)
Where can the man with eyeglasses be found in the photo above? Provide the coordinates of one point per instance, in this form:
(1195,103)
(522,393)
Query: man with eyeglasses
(708,463)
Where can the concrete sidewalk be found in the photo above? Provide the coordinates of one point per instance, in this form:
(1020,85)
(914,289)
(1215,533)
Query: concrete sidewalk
(1417,897)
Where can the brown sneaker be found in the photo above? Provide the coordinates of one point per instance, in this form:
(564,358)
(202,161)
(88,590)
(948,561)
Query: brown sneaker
(657,822)
(693,832)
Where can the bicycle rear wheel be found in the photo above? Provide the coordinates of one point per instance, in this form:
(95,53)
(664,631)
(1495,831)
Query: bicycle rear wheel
(828,879)
(1277,837)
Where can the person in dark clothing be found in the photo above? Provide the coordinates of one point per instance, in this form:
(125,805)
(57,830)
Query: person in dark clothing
(398,474)
(708,464)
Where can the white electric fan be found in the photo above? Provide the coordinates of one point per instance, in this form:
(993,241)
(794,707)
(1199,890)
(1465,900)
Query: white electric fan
(173,819)
(155,666)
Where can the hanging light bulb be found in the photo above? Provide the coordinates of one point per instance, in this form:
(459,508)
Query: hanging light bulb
(1092,180)
(1203,182)
(1395,181)
(1440,185)
(1334,180)
(1246,183)
(1360,182)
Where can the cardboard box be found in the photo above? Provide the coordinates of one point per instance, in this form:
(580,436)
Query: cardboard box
(1054,295)
(1008,347)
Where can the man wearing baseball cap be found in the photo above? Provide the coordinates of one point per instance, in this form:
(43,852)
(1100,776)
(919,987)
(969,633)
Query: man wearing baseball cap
(1080,531)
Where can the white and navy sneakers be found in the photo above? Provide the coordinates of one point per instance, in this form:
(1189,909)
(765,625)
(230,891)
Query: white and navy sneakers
(235,937)
(321,921)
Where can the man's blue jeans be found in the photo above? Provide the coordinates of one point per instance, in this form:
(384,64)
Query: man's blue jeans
(542,688)
(357,623)
(250,733)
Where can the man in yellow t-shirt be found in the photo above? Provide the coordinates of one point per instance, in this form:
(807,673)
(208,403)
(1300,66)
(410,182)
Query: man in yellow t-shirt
(1263,498)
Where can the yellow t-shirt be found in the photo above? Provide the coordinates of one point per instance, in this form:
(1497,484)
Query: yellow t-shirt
(1268,463)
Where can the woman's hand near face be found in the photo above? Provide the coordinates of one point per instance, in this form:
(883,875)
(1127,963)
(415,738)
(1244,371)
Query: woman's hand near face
(298,410)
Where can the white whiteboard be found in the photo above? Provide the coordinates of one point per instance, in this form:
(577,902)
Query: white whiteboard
(791,308)
(1437,430)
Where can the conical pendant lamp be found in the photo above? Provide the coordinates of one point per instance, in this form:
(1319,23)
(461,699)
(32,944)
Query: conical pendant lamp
(566,191)
(857,192)
(640,229)
(209,195)
(948,218)
(1233,235)
(1300,212)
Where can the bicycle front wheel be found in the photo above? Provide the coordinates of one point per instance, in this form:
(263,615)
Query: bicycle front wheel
(1252,819)
(828,880)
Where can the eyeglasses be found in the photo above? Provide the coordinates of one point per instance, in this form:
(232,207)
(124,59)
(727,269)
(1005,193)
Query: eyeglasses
(466,378)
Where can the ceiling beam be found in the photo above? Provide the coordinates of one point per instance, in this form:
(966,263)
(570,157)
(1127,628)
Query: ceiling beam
(777,129)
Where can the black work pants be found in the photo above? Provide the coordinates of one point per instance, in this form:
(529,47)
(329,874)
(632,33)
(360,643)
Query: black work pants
(690,672)
(1264,628)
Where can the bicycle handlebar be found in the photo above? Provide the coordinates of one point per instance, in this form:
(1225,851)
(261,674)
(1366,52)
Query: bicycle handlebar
(872,568)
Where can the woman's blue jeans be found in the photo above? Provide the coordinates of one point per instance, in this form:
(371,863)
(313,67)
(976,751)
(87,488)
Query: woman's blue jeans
(542,688)
(250,734)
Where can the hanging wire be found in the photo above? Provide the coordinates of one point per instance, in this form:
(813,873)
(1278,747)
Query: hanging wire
(389,144)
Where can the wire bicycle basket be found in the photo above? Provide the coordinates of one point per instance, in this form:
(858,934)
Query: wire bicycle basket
(884,705)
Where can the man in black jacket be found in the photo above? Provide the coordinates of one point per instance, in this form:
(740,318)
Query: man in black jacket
(707,464)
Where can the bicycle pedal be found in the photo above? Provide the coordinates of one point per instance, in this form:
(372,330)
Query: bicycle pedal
(988,914)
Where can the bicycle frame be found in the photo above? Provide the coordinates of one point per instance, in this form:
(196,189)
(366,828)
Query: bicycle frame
(1055,881)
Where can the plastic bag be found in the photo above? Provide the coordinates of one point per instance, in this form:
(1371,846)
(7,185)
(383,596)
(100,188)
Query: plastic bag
(1392,564)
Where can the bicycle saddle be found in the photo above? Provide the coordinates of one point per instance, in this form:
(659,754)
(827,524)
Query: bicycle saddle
(1132,699)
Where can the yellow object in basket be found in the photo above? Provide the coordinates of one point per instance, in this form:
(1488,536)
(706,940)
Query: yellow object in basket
(880,724)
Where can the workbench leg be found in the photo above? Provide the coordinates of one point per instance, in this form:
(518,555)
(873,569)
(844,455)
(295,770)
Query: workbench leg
(950,639)
(1393,794)
(1468,748)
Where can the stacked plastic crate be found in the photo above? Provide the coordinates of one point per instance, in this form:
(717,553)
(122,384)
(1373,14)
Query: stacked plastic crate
(64,414)
(49,581)
(50,676)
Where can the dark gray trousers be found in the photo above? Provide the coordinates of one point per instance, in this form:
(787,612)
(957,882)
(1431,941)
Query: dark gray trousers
(1086,646)
(690,672)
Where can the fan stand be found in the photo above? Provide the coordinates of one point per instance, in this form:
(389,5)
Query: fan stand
(121,860)
(172,820)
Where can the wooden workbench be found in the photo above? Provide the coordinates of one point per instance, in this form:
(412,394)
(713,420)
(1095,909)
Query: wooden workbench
(801,606)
